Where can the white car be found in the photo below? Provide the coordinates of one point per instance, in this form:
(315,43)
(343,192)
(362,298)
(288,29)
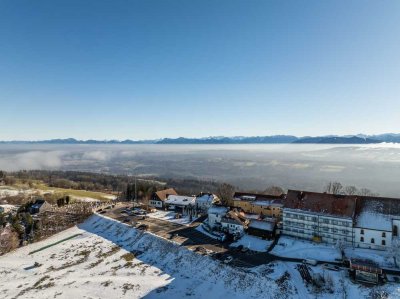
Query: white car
(228,259)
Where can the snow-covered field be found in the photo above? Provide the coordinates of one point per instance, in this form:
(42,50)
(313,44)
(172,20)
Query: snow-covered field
(253,243)
(112,260)
(169,216)
(295,248)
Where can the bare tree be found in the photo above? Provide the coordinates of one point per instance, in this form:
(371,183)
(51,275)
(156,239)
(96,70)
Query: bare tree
(366,192)
(334,188)
(225,193)
(273,190)
(350,190)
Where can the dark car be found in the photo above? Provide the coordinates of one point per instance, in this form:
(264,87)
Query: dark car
(239,248)
(103,212)
(126,220)
(143,227)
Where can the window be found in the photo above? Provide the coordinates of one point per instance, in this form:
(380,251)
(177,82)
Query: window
(362,239)
(362,232)
(372,241)
(383,235)
(383,242)
(314,219)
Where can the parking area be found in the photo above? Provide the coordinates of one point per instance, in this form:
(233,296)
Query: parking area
(188,236)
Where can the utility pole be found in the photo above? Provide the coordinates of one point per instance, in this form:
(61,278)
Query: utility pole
(135,190)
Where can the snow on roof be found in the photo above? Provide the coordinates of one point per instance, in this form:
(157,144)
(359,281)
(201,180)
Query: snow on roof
(205,198)
(266,203)
(180,200)
(371,220)
(217,210)
(231,221)
(264,225)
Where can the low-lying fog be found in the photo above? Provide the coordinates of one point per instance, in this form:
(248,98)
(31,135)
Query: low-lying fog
(307,167)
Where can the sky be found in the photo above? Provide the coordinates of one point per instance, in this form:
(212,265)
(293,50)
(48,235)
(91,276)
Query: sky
(195,68)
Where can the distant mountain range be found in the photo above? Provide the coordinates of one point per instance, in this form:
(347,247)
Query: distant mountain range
(276,139)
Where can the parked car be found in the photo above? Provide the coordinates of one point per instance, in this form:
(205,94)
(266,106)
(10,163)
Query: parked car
(310,262)
(330,267)
(228,259)
(126,220)
(239,248)
(142,226)
(103,212)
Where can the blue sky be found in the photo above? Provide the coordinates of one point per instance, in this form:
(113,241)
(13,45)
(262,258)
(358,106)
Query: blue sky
(166,68)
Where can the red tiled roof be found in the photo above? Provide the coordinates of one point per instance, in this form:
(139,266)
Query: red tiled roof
(332,204)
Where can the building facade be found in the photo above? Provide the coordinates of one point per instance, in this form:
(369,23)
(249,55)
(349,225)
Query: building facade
(260,204)
(319,217)
(158,198)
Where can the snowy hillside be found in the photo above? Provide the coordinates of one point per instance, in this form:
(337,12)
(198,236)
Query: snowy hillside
(101,263)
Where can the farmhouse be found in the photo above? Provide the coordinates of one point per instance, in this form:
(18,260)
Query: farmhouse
(265,205)
(377,222)
(158,198)
(320,217)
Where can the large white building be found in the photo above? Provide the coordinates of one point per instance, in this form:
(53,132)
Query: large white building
(358,221)
(319,216)
(377,222)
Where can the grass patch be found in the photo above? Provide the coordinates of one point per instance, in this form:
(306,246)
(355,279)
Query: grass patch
(111,252)
(129,257)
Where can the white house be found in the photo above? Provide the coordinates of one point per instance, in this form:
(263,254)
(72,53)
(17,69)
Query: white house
(204,201)
(232,226)
(215,215)
(376,222)
(180,203)
(158,198)
(319,216)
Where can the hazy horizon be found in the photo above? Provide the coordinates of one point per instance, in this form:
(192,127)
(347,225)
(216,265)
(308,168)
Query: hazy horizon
(307,167)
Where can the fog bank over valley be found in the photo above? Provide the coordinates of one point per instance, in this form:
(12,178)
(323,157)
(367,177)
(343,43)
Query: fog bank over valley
(307,167)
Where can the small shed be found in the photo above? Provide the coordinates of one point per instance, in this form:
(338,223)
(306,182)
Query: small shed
(263,229)
(365,271)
